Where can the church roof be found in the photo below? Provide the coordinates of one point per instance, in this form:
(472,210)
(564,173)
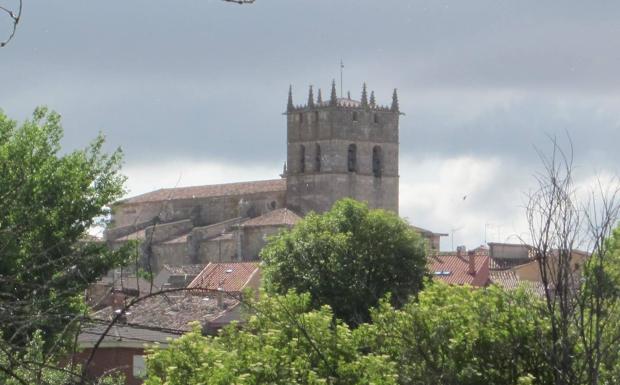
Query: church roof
(278,217)
(207,191)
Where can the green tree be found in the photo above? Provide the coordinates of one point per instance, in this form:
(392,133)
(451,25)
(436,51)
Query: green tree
(347,258)
(284,342)
(48,201)
(459,335)
(602,280)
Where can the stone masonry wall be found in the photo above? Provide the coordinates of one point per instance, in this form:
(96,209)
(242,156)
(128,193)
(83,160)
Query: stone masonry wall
(333,129)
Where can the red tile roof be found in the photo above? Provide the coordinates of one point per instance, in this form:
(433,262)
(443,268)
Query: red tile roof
(228,277)
(207,191)
(454,269)
(278,217)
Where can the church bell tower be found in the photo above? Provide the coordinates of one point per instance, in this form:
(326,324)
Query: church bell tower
(341,148)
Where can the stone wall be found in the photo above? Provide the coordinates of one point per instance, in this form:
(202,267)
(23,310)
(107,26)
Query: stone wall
(202,211)
(169,254)
(318,192)
(253,239)
(200,250)
(318,164)
(217,250)
(113,233)
(165,231)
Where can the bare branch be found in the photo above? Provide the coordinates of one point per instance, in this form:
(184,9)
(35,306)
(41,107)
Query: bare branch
(15,17)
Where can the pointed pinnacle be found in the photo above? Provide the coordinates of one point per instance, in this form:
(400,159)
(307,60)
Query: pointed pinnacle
(333,98)
(289,105)
(395,107)
(364,96)
(310,98)
(373,102)
(319,98)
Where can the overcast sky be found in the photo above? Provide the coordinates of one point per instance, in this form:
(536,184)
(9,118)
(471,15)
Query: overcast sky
(193,91)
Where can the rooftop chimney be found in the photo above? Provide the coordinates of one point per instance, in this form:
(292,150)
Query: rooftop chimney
(460,251)
(472,262)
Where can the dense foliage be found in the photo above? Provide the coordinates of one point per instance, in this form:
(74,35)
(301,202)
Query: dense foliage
(48,201)
(348,258)
(284,342)
(458,335)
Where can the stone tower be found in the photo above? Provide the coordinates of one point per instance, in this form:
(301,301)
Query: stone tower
(341,148)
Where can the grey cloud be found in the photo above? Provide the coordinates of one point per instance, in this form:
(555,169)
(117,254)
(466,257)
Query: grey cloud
(514,131)
(208,80)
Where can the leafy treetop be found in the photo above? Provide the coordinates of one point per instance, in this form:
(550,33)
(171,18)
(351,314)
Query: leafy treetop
(348,258)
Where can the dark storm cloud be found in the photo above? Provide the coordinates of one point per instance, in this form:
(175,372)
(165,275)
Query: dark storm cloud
(208,80)
(515,130)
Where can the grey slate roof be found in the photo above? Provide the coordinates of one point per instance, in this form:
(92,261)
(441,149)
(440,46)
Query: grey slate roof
(215,190)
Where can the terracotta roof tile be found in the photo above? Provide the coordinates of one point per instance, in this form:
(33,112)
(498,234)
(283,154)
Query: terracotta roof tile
(229,277)
(171,311)
(454,269)
(155,319)
(214,190)
(278,217)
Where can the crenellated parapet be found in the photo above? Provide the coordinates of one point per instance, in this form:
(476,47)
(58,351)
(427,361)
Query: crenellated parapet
(335,102)
(341,147)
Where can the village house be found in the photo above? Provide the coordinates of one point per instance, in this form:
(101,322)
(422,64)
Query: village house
(461,268)
(214,301)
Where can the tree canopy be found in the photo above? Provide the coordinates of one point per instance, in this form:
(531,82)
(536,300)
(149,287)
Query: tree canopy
(347,258)
(461,335)
(48,201)
(284,342)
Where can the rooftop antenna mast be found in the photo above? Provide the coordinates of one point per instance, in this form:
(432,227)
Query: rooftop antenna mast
(341,68)
(452,231)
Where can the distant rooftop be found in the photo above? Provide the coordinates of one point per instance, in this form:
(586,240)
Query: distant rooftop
(509,280)
(184,269)
(173,311)
(278,217)
(207,191)
(154,319)
(230,277)
(454,269)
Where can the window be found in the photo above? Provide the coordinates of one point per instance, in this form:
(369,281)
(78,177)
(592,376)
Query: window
(316,117)
(375,117)
(352,158)
(302,159)
(377,161)
(301,118)
(317,158)
(139,366)
(355,116)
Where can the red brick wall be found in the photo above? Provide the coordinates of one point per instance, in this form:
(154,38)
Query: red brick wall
(107,360)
